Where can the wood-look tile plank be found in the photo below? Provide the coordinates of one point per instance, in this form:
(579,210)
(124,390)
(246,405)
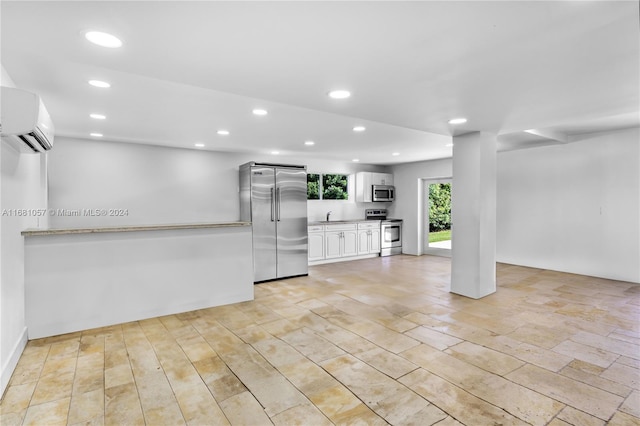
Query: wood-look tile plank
(388,398)
(516,399)
(122,406)
(87,407)
(631,405)
(485,358)
(608,344)
(623,419)
(628,376)
(460,404)
(432,337)
(596,381)
(48,413)
(576,417)
(586,398)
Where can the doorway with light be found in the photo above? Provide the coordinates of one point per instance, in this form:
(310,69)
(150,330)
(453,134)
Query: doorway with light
(437,216)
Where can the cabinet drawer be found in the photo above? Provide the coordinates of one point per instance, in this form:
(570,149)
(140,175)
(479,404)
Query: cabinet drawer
(372,224)
(341,227)
(315,228)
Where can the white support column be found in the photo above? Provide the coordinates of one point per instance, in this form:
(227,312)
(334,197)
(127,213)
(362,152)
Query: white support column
(473,210)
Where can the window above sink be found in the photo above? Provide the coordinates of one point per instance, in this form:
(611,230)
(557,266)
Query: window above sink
(327,186)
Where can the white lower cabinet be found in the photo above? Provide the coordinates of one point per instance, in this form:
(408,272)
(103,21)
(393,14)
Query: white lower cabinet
(363,241)
(374,246)
(333,242)
(316,245)
(368,238)
(350,243)
(343,240)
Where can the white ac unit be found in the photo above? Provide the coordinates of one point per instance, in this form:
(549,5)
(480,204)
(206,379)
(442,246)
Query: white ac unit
(24,121)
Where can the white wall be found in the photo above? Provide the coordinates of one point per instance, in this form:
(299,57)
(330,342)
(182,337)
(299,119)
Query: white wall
(22,186)
(573,207)
(159,185)
(409,203)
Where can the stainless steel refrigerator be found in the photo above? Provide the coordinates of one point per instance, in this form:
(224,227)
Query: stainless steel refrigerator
(274,198)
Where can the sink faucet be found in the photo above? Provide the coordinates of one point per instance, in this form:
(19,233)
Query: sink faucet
(328,215)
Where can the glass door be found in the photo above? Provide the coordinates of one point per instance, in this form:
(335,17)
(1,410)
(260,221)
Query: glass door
(437,216)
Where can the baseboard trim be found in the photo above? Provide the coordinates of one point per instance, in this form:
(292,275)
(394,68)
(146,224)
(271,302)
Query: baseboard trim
(343,259)
(9,367)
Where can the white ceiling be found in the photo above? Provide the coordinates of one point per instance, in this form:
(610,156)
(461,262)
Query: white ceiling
(188,69)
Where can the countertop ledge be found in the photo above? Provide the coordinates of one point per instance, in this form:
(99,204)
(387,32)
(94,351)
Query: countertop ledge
(341,222)
(133,228)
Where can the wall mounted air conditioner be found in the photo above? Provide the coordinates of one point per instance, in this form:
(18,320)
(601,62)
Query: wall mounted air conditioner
(24,121)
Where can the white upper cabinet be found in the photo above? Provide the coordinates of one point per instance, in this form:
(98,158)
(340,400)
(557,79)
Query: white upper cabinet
(364,182)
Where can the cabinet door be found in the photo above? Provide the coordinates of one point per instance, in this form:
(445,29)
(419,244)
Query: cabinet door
(363,241)
(333,240)
(316,245)
(350,243)
(363,187)
(374,247)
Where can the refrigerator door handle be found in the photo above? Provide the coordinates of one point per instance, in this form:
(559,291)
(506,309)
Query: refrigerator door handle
(278,203)
(272,205)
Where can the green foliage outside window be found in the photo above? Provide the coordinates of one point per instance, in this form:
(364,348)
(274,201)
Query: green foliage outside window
(334,187)
(327,186)
(313,186)
(439,207)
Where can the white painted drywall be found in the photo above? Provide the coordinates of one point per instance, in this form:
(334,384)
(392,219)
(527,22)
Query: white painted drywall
(80,281)
(549,202)
(473,215)
(22,187)
(158,185)
(573,207)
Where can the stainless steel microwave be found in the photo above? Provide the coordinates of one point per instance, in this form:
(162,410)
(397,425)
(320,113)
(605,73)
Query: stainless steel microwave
(383,192)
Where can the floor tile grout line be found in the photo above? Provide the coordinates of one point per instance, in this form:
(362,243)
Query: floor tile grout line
(135,383)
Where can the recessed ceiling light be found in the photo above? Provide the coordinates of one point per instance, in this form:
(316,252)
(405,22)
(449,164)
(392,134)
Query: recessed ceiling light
(223,132)
(98,116)
(200,145)
(103,39)
(96,135)
(355,160)
(339,94)
(457,120)
(449,144)
(98,83)
(395,154)
(275,152)
(359,129)
(259,111)
(309,143)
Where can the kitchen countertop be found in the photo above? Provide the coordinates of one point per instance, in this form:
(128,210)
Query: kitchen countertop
(133,228)
(339,222)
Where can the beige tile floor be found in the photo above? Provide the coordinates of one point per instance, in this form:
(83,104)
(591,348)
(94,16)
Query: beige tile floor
(367,342)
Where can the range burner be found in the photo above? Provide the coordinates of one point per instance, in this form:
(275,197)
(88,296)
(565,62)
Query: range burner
(375,214)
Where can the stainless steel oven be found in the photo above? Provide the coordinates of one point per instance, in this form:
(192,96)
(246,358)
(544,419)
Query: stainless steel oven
(390,237)
(390,231)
